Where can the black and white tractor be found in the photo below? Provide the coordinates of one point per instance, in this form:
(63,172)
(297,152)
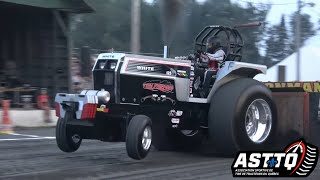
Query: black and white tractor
(152,101)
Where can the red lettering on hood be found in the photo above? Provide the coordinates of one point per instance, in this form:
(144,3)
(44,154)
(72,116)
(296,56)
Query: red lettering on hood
(158,87)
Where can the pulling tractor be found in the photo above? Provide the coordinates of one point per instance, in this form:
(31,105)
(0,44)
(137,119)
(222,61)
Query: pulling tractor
(149,101)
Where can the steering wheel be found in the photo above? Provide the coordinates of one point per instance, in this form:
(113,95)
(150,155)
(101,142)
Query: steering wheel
(196,60)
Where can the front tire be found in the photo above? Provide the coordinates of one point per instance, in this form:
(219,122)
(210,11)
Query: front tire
(139,137)
(242,117)
(67,141)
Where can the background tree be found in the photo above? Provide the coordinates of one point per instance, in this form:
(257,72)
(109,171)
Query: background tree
(283,43)
(109,26)
(307,30)
(277,43)
(271,46)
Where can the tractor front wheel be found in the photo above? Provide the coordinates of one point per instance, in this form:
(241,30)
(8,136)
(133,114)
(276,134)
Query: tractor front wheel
(66,139)
(139,137)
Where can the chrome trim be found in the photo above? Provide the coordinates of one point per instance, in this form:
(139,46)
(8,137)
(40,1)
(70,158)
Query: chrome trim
(258,121)
(146,138)
(198,100)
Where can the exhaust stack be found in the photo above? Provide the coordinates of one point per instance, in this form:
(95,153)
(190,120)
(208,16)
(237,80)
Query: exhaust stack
(165,52)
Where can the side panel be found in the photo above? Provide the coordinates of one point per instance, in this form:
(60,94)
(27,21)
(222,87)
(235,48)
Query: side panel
(147,90)
(162,68)
(160,73)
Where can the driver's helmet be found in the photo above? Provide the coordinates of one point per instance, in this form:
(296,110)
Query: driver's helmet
(213,44)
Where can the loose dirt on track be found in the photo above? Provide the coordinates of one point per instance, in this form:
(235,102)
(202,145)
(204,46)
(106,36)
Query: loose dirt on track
(40,158)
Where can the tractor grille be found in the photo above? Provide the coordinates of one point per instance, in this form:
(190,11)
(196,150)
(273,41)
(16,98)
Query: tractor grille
(104,80)
(108,78)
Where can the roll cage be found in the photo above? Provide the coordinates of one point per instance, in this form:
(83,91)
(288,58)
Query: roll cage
(234,41)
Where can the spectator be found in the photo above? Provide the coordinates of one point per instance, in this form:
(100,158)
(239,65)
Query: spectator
(43,102)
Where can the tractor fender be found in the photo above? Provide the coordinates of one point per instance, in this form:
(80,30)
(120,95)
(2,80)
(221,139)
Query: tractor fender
(233,70)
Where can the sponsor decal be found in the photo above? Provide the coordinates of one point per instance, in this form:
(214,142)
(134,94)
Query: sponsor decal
(297,160)
(175,120)
(174,125)
(174,113)
(145,68)
(168,73)
(108,56)
(181,73)
(172,72)
(103,108)
(191,82)
(157,85)
(307,86)
(157,98)
(197,83)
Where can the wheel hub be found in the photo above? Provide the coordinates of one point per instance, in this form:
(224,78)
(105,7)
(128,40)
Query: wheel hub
(146,138)
(76,138)
(258,121)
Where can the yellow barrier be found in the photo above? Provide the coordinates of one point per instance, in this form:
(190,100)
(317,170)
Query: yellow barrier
(307,86)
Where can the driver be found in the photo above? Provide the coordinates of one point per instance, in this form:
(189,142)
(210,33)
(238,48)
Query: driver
(212,57)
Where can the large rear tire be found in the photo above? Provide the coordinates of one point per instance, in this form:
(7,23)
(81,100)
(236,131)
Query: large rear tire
(242,116)
(139,137)
(67,141)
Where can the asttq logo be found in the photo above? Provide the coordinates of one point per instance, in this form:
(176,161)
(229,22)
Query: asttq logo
(297,160)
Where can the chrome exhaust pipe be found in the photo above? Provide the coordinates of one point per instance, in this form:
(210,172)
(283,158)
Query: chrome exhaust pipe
(165,51)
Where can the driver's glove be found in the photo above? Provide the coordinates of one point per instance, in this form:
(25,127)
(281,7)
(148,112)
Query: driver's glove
(196,55)
(200,51)
(191,57)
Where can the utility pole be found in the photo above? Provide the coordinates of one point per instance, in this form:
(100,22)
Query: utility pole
(135,26)
(298,33)
(298,38)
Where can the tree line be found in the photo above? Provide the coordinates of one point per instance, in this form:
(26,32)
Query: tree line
(109,27)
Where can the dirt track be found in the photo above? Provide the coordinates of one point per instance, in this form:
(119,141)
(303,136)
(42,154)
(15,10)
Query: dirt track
(41,159)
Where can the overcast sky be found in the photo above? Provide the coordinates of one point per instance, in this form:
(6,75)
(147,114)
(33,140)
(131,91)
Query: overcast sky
(285,7)
(281,7)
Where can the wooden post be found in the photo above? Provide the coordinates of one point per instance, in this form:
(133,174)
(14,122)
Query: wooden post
(54,50)
(281,73)
(135,25)
(29,44)
(85,61)
(69,51)
(63,23)
(17,52)
(4,47)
